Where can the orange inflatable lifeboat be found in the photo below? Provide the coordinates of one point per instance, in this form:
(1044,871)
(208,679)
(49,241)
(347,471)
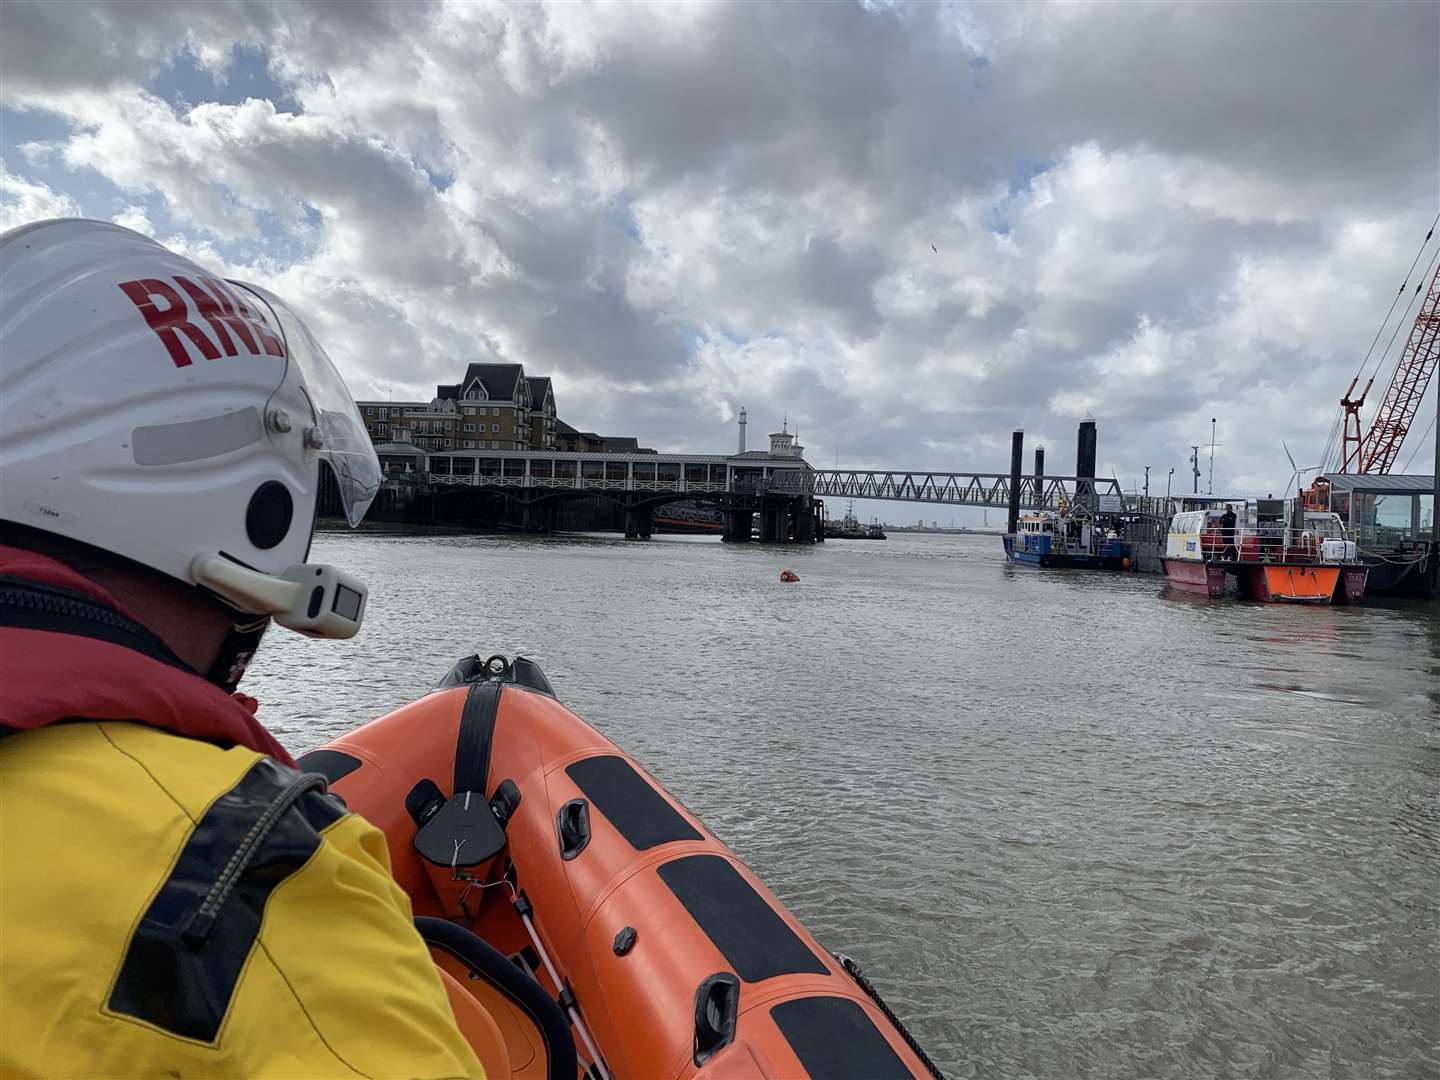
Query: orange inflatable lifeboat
(585,923)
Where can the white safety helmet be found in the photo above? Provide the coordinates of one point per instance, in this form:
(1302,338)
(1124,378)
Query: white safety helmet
(153,410)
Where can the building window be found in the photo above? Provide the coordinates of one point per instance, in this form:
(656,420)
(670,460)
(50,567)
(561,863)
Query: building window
(469,427)
(495,411)
(469,411)
(384,413)
(383,428)
(494,427)
(494,445)
(469,444)
(449,443)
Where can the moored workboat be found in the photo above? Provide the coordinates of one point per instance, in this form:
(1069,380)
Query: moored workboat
(1063,541)
(562,890)
(1264,556)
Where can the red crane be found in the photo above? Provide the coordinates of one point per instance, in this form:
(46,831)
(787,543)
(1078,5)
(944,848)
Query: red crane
(1377,450)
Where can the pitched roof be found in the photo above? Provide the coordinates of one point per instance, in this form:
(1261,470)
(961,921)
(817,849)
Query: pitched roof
(499,379)
(562,428)
(621,443)
(539,384)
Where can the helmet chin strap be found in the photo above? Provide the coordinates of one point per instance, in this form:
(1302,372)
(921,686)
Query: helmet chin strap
(236,651)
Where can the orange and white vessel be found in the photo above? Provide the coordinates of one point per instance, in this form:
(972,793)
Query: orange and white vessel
(585,923)
(1268,556)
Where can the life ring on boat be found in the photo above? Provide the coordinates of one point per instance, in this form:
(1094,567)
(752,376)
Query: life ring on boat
(789,575)
(561,888)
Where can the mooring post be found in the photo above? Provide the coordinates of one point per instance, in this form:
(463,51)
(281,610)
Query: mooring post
(1017,455)
(1039,476)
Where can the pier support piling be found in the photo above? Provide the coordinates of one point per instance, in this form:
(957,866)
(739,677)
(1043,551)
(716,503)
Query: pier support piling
(1017,456)
(639,522)
(1085,464)
(738,526)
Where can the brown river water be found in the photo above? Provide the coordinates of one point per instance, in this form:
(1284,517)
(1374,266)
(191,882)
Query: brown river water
(1072,825)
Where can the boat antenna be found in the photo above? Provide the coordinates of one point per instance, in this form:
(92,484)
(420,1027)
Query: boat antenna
(1210,484)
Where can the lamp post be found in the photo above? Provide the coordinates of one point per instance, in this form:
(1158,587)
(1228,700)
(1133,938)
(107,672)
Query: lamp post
(1147,481)
(1168,478)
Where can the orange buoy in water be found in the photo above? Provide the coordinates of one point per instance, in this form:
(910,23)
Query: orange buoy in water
(789,575)
(1125,562)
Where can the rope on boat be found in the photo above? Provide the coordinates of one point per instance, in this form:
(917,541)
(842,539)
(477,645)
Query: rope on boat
(853,969)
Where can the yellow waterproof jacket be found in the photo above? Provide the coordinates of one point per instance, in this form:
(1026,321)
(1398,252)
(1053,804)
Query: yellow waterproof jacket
(171,909)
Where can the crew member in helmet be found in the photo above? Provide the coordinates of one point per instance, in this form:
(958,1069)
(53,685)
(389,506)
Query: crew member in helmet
(178,900)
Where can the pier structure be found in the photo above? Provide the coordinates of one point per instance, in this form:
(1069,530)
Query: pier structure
(775,490)
(772,494)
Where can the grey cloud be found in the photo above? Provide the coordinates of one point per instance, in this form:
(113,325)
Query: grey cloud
(769,179)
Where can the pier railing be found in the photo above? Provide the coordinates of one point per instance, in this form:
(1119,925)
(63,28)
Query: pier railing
(779,485)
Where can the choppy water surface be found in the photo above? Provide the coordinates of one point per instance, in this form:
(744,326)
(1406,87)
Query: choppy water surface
(1071,825)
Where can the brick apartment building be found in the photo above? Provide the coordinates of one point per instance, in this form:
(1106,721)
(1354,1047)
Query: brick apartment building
(494,407)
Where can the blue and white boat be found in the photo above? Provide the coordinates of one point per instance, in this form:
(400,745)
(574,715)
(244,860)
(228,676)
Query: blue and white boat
(1060,541)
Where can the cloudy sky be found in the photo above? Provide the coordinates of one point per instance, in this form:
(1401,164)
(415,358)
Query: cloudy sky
(913,227)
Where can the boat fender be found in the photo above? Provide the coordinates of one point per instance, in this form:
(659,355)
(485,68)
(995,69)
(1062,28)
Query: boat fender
(625,940)
(717,1004)
(573,825)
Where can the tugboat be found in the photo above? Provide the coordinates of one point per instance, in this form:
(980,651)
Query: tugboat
(1057,540)
(1270,557)
(849,528)
(585,923)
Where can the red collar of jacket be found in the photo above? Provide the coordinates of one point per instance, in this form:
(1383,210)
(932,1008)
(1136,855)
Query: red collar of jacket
(47,676)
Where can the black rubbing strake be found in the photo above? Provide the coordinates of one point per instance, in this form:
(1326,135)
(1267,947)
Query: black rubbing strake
(629,802)
(749,933)
(216,894)
(835,1040)
(477,730)
(331,764)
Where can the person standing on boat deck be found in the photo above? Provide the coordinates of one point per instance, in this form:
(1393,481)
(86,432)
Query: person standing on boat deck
(178,899)
(1227,535)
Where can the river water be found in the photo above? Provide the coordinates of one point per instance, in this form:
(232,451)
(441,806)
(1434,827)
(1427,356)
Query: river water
(1072,825)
